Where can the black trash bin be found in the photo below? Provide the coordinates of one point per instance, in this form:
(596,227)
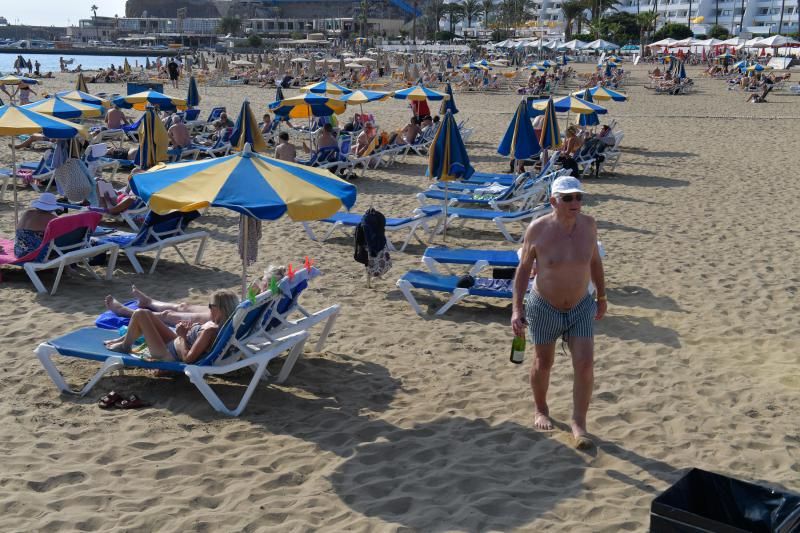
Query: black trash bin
(706,502)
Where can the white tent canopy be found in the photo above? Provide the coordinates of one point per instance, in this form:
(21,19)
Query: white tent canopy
(776,41)
(601,44)
(575,44)
(682,43)
(663,42)
(733,41)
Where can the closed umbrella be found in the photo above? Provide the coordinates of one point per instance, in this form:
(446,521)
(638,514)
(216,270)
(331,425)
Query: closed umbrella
(587,119)
(248,183)
(126,67)
(66,109)
(192,94)
(246,131)
(449,103)
(80,84)
(19,121)
(141,100)
(448,159)
(153,140)
(550,136)
(519,141)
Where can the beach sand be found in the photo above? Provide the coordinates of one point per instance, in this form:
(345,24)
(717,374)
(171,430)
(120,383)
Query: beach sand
(409,423)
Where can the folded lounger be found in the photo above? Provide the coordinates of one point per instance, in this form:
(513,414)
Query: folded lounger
(157,233)
(346,222)
(500,218)
(428,281)
(66,242)
(230,352)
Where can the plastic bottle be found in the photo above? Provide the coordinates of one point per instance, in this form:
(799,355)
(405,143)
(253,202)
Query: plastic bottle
(518,350)
(251,295)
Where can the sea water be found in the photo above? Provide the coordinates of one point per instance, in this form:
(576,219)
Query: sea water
(49,62)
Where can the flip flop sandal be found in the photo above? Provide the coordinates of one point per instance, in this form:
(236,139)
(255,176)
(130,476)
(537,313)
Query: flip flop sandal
(109,400)
(131,402)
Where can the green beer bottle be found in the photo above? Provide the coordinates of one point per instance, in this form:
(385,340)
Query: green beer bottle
(518,350)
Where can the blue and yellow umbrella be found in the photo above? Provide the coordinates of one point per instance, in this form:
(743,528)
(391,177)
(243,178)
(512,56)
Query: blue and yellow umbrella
(192,94)
(17,80)
(141,100)
(418,93)
(550,136)
(307,105)
(153,140)
(325,87)
(600,93)
(248,183)
(520,140)
(80,96)
(449,103)
(362,96)
(246,131)
(567,104)
(66,109)
(757,67)
(20,121)
(80,83)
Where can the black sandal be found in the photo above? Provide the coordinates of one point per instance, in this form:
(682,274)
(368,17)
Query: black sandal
(131,402)
(109,400)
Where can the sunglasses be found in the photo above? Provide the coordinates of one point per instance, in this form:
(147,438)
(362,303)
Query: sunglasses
(212,306)
(567,198)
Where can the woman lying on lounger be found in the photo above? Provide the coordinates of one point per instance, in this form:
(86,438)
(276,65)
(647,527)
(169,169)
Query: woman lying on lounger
(188,343)
(173,313)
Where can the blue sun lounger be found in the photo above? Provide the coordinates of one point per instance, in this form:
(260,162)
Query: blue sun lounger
(230,352)
(430,282)
(500,218)
(477,260)
(347,222)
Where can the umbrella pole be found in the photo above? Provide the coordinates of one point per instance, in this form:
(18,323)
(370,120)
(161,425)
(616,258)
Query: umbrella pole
(14,180)
(444,229)
(244,257)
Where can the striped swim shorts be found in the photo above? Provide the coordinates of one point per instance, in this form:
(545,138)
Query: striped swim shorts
(547,324)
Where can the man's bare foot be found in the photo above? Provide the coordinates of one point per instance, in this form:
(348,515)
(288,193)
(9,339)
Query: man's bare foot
(118,347)
(142,298)
(542,421)
(115,307)
(581,436)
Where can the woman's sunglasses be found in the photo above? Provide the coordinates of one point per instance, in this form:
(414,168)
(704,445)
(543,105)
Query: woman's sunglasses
(567,198)
(212,306)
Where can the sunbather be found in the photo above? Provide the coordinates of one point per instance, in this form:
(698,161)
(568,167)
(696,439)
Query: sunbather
(33,138)
(178,133)
(188,343)
(172,313)
(115,118)
(32,223)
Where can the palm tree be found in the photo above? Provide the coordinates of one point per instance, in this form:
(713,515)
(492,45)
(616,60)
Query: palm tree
(229,24)
(471,9)
(780,20)
(647,21)
(716,12)
(454,15)
(741,19)
(573,12)
(434,14)
(488,8)
(93,9)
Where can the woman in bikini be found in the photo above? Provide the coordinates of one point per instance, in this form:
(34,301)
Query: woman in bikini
(188,343)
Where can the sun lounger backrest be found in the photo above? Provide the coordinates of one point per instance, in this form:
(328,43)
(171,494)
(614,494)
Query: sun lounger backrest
(157,227)
(67,227)
(192,114)
(215,113)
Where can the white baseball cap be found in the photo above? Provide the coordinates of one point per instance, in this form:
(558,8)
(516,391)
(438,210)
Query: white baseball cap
(565,185)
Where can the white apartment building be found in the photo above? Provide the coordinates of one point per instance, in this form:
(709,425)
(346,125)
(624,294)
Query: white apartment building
(757,17)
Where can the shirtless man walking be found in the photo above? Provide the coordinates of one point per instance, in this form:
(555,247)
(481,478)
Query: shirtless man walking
(564,246)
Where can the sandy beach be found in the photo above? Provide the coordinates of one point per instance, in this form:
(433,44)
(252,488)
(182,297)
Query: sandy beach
(416,423)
